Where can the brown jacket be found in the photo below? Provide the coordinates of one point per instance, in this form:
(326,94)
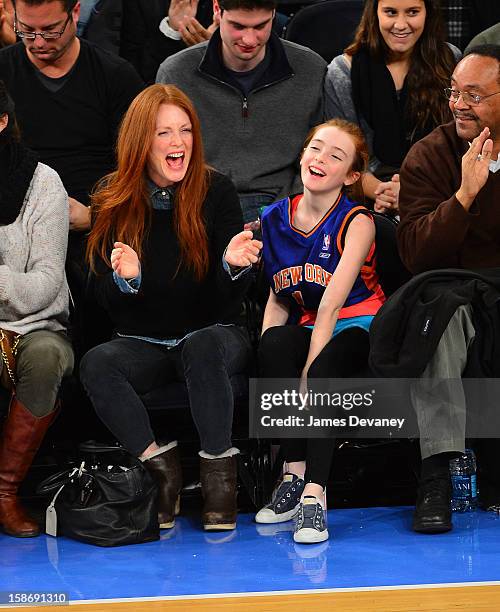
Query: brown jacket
(435,230)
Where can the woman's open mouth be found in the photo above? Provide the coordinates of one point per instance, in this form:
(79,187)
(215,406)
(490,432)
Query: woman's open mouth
(175,160)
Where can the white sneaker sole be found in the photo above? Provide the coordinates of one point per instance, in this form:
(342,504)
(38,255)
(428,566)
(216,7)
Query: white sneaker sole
(268,516)
(310,536)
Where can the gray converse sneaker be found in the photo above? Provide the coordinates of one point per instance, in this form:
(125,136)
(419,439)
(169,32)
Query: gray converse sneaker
(284,502)
(310,527)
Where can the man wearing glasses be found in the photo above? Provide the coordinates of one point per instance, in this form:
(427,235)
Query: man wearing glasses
(70,96)
(450,218)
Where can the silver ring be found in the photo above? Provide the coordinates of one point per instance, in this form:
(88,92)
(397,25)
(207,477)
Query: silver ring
(479,157)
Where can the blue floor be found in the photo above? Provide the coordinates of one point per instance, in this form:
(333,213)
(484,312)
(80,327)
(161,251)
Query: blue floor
(367,547)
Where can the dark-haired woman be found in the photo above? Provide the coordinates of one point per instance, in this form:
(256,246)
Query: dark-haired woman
(390,81)
(162,235)
(33,309)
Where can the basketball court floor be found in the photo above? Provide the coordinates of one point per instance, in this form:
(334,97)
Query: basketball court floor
(373,561)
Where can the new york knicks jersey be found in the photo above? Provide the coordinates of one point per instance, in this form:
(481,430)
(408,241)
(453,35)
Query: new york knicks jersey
(299,265)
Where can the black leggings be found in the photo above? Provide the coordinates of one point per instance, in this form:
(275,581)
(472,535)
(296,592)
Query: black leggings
(283,352)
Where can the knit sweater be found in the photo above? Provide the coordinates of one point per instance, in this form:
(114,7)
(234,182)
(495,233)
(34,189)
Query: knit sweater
(435,230)
(33,288)
(171,302)
(255,140)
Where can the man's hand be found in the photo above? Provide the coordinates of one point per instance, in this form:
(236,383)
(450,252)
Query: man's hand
(180,10)
(192,32)
(387,196)
(124,261)
(79,216)
(475,168)
(7,34)
(242,250)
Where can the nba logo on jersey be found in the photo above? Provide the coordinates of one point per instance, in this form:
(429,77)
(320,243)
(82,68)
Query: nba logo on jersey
(326,242)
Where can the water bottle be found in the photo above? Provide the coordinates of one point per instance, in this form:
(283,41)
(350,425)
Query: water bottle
(463,480)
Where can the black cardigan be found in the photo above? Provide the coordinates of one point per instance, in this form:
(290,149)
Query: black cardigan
(171,302)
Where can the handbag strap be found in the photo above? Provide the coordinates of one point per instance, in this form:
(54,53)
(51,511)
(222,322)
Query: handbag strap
(91,446)
(8,347)
(57,480)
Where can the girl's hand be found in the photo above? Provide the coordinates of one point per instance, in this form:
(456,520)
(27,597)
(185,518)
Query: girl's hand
(242,250)
(124,261)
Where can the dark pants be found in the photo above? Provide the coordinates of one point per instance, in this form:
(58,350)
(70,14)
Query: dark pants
(116,373)
(283,352)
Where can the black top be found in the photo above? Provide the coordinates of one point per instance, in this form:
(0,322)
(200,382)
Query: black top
(142,43)
(170,304)
(73,130)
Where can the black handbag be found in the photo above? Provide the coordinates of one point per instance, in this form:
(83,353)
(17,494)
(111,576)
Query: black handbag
(103,501)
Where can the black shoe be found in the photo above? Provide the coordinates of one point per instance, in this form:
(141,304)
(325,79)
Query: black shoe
(433,509)
(285,501)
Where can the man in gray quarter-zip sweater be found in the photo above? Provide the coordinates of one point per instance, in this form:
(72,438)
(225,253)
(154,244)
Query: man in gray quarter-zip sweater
(257,97)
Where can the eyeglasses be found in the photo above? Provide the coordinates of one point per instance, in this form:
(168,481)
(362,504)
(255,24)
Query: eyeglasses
(44,35)
(468,98)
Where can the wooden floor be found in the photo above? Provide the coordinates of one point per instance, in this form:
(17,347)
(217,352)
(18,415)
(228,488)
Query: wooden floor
(471,599)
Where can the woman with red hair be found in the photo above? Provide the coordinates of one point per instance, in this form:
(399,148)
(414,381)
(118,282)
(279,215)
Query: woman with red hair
(164,238)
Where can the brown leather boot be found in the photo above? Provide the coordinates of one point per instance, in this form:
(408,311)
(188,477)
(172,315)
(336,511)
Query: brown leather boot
(218,485)
(21,438)
(166,470)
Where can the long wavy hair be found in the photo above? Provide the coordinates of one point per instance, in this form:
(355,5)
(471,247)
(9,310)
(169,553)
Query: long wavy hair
(431,65)
(120,203)
(361,157)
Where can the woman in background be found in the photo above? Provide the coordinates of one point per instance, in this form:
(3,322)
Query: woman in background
(390,81)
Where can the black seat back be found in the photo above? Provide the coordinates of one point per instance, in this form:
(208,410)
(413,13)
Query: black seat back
(326,27)
(392,273)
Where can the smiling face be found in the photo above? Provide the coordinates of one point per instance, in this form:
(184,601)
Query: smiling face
(171,148)
(327,161)
(244,35)
(477,75)
(401,24)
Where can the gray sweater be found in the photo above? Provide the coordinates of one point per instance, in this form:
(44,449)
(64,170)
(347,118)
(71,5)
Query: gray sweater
(33,288)
(258,148)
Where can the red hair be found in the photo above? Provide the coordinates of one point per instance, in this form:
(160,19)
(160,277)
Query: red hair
(120,204)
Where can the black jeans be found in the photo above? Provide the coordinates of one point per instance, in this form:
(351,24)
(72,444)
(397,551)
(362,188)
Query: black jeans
(116,373)
(283,352)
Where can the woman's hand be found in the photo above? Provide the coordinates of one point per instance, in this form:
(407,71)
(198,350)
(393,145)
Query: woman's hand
(124,261)
(242,250)
(387,196)
(475,168)
(79,216)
